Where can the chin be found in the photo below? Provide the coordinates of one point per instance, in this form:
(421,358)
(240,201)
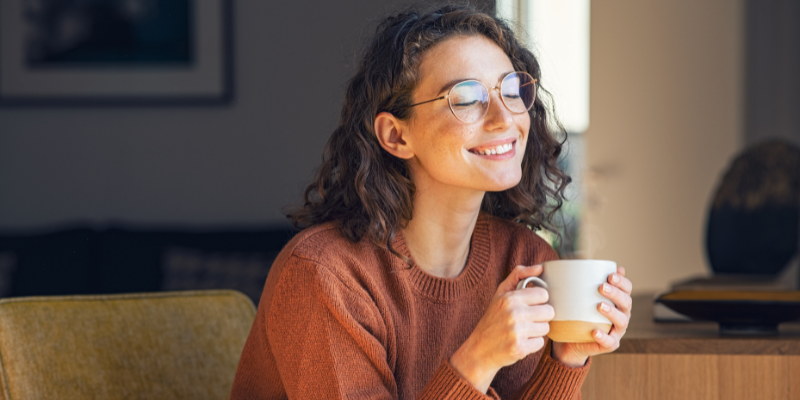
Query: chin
(501,185)
(499,189)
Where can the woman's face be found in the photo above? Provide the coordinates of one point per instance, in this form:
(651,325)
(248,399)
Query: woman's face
(447,150)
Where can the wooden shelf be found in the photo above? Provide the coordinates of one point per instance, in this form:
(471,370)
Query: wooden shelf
(691,360)
(647,337)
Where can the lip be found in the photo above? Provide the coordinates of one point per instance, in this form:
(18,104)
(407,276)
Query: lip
(505,156)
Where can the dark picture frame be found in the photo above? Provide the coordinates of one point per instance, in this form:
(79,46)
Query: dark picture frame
(115,52)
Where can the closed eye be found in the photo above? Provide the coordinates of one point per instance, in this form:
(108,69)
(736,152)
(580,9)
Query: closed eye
(473,102)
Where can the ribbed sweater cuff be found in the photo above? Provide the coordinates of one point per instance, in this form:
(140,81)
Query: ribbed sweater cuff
(554,380)
(447,383)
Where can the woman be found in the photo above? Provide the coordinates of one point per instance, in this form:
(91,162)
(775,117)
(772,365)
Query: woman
(402,286)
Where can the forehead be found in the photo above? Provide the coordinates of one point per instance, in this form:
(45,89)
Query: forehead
(462,57)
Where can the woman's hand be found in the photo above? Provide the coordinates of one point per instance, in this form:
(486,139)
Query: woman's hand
(618,290)
(513,326)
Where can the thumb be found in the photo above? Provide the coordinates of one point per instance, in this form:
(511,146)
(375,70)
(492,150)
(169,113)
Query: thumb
(520,272)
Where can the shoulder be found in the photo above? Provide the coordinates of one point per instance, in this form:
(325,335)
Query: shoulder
(322,252)
(316,241)
(326,244)
(321,272)
(516,237)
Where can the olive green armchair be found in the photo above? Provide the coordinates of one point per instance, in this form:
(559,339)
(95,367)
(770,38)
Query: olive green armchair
(168,345)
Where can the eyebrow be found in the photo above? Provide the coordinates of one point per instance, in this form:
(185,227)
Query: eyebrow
(454,82)
(449,85)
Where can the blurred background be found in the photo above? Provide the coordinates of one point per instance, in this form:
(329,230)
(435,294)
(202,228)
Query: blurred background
(164,164)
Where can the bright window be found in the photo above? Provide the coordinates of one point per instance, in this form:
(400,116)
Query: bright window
(557,31)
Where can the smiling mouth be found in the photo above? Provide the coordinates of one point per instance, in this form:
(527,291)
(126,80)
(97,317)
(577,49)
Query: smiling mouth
(496,150)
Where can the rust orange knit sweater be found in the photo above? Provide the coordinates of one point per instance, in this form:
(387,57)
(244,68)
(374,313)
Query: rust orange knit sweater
(350,320)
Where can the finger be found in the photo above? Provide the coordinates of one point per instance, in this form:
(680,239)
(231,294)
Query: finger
(525,271)
(621,271)
(533,296)
(606,341)
(617,317)
(519,273)
(533,344)
(621,300)
(621,282)
(617,332)
(537,329)
(543,313)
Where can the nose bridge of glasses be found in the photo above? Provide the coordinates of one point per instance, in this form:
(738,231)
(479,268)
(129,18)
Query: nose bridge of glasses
(499,102)
(499,93)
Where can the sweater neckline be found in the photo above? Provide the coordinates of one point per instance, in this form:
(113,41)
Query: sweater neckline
(449,289)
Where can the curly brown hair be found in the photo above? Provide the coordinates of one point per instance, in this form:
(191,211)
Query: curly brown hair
(370,191)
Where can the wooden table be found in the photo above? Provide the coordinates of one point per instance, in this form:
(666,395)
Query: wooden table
(691,360)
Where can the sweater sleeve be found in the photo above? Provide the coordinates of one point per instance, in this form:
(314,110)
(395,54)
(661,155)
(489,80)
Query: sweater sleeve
(554,380)
(328,342)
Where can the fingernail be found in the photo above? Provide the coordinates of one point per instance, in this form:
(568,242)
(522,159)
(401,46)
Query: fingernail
(604,307)
(606,288)
(615,278)
(598,335)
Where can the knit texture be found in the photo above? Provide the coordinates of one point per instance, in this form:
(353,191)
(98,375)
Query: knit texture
(339,320)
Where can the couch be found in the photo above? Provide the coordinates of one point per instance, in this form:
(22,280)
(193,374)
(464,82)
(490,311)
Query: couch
(166,345)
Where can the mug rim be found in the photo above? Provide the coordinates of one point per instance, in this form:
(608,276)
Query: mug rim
(580,261)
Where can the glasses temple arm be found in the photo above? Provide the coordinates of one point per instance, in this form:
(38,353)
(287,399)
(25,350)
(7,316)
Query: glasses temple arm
(414,105)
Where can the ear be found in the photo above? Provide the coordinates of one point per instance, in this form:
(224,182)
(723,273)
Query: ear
(391,135)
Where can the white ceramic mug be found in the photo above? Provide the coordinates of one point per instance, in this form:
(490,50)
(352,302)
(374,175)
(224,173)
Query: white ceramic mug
(574,292)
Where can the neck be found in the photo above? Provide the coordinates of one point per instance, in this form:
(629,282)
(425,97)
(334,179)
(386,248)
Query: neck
(439,233)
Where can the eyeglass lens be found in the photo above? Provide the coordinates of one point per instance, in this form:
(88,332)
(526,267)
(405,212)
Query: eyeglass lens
(469,100)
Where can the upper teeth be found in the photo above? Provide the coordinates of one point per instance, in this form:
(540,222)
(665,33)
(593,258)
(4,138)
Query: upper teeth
(503,148)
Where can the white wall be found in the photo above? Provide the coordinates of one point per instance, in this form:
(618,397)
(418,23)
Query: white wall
(666,99)
(194,165)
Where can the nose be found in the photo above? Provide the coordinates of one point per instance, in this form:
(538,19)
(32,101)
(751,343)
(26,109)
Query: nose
(498,117)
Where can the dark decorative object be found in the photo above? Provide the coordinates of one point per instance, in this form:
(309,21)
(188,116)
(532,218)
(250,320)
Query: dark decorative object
(115,52)
(755,216)
(738,313)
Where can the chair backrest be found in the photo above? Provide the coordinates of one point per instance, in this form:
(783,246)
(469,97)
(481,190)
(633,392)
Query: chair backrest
(167,345)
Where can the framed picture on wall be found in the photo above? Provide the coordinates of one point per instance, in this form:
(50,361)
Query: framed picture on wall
(115,52)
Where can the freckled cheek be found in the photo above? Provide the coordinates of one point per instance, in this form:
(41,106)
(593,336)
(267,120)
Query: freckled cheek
(449,152)
(439,155)
(439,150)
(451,141)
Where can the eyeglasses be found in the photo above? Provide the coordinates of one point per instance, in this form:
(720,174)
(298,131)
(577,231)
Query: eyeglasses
(469,100)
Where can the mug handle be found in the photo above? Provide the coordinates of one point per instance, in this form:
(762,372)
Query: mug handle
(536,281)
